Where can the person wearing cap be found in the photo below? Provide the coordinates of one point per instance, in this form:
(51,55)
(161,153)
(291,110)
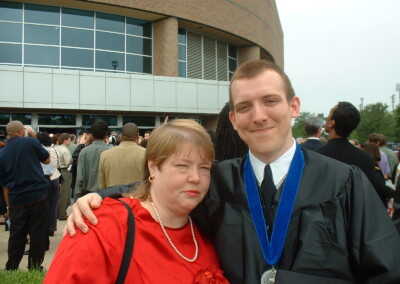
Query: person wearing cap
(25,189)
(123,164)
(313,129)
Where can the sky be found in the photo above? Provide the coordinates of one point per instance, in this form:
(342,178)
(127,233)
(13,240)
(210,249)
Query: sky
(341,50)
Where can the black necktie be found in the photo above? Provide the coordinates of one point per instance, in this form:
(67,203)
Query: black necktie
(268,190)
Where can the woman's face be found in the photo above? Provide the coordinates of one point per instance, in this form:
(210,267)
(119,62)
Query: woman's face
(181,181)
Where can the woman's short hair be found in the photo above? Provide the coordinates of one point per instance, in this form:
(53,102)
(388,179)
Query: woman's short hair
(166,140)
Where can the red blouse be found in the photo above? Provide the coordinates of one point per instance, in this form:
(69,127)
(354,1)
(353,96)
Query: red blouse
(96,257)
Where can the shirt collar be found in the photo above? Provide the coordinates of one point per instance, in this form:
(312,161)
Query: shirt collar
(279,167)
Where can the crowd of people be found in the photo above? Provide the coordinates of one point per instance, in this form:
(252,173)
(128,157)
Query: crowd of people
(245,205)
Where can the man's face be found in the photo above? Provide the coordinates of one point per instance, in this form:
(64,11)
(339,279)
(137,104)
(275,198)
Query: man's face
(329,123)
(262,115)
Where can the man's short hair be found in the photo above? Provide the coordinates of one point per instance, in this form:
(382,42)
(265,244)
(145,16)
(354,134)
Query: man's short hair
(382,140)
(312,126)
(374,138)
(63,137)
(346,117)
(13,127)
(130,132)
(44,139)
(252,69)
(99,129)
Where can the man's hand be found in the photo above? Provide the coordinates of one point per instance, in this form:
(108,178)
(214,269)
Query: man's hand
(83,205)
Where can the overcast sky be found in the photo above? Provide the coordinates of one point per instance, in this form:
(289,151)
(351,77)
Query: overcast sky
(341,50)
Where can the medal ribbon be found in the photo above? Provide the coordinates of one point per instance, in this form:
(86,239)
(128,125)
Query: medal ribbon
(272,250)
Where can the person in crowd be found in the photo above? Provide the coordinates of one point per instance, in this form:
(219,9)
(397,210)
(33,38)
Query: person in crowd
(113,138)
(168,247)
(3,206)
(146,134)
(65,159)
(72,146)
(3,138)
(54,187)
(87,178)
(227,143)
(313,129)
(391,155)
(122,164)
(282,212)
(144,143)
(384,192)
(396,201)
(55,139)
(25,187)
(384,162)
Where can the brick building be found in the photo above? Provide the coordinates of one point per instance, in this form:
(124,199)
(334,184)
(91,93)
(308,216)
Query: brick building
(63,66)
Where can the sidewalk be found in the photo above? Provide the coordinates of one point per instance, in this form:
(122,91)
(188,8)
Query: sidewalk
(54,242)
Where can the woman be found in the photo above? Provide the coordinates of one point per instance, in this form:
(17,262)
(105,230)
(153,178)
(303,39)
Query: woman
(384,192)
(168,248)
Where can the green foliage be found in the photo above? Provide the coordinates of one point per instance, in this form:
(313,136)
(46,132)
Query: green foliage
(375,118)
(21,277)
(298,126)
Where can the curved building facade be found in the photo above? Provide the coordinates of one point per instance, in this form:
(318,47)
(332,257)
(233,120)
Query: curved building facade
(61,67)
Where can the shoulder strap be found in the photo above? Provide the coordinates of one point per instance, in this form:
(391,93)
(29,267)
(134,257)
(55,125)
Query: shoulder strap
(128,250)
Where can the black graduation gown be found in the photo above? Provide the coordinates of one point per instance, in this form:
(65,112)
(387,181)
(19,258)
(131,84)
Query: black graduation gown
(338,227)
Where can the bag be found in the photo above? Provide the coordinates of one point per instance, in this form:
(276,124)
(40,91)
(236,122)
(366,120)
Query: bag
(128,250)
(60,178)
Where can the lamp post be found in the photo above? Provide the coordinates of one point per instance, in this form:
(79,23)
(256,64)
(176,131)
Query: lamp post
(398,89)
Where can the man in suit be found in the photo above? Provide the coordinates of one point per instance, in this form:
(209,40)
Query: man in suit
(313,129)
(322,217)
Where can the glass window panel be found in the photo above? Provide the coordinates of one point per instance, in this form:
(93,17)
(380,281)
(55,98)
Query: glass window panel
(138,27)
(78,38)
(138,45)
(42,14)
(4,118)
(73,57)
(10,53)
(42,55)
(182,69)
(182,36)
(57,119)
(137,63)
(107,60)
(230,75)
(110,41)
(25,118)
(232,51)
(108,22)
(77,18)
(232,65)
(42,34)
(10,11)
(182,52)
(111,120)
(140,120)
(11,32)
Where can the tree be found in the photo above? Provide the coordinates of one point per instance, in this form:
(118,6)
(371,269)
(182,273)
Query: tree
(375,118)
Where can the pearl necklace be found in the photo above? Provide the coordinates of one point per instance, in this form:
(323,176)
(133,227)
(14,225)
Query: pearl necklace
(170,241)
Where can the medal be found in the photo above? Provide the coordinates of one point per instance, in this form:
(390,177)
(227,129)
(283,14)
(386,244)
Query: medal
(268,276)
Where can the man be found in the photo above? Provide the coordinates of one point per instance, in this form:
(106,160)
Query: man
(341,122)
(384,162)
(313,129)
(88,161)
(65,159)
(72,146)
(25,188)
(337,229)
(391,155)
(123,164)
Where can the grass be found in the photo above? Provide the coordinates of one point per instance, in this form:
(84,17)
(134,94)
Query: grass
(21,277)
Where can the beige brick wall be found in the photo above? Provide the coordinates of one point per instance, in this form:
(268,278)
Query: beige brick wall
(165,46)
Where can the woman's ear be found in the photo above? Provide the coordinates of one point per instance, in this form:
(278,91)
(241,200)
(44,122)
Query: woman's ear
(152,167)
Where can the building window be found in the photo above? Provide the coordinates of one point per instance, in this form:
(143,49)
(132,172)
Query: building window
(182,56)
(57,119)
(207,58)
(140,120)
(57,37)
(25,118)
(88,120)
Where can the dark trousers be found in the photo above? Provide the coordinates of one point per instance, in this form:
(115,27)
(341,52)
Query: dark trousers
(53,192)
(29,220)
